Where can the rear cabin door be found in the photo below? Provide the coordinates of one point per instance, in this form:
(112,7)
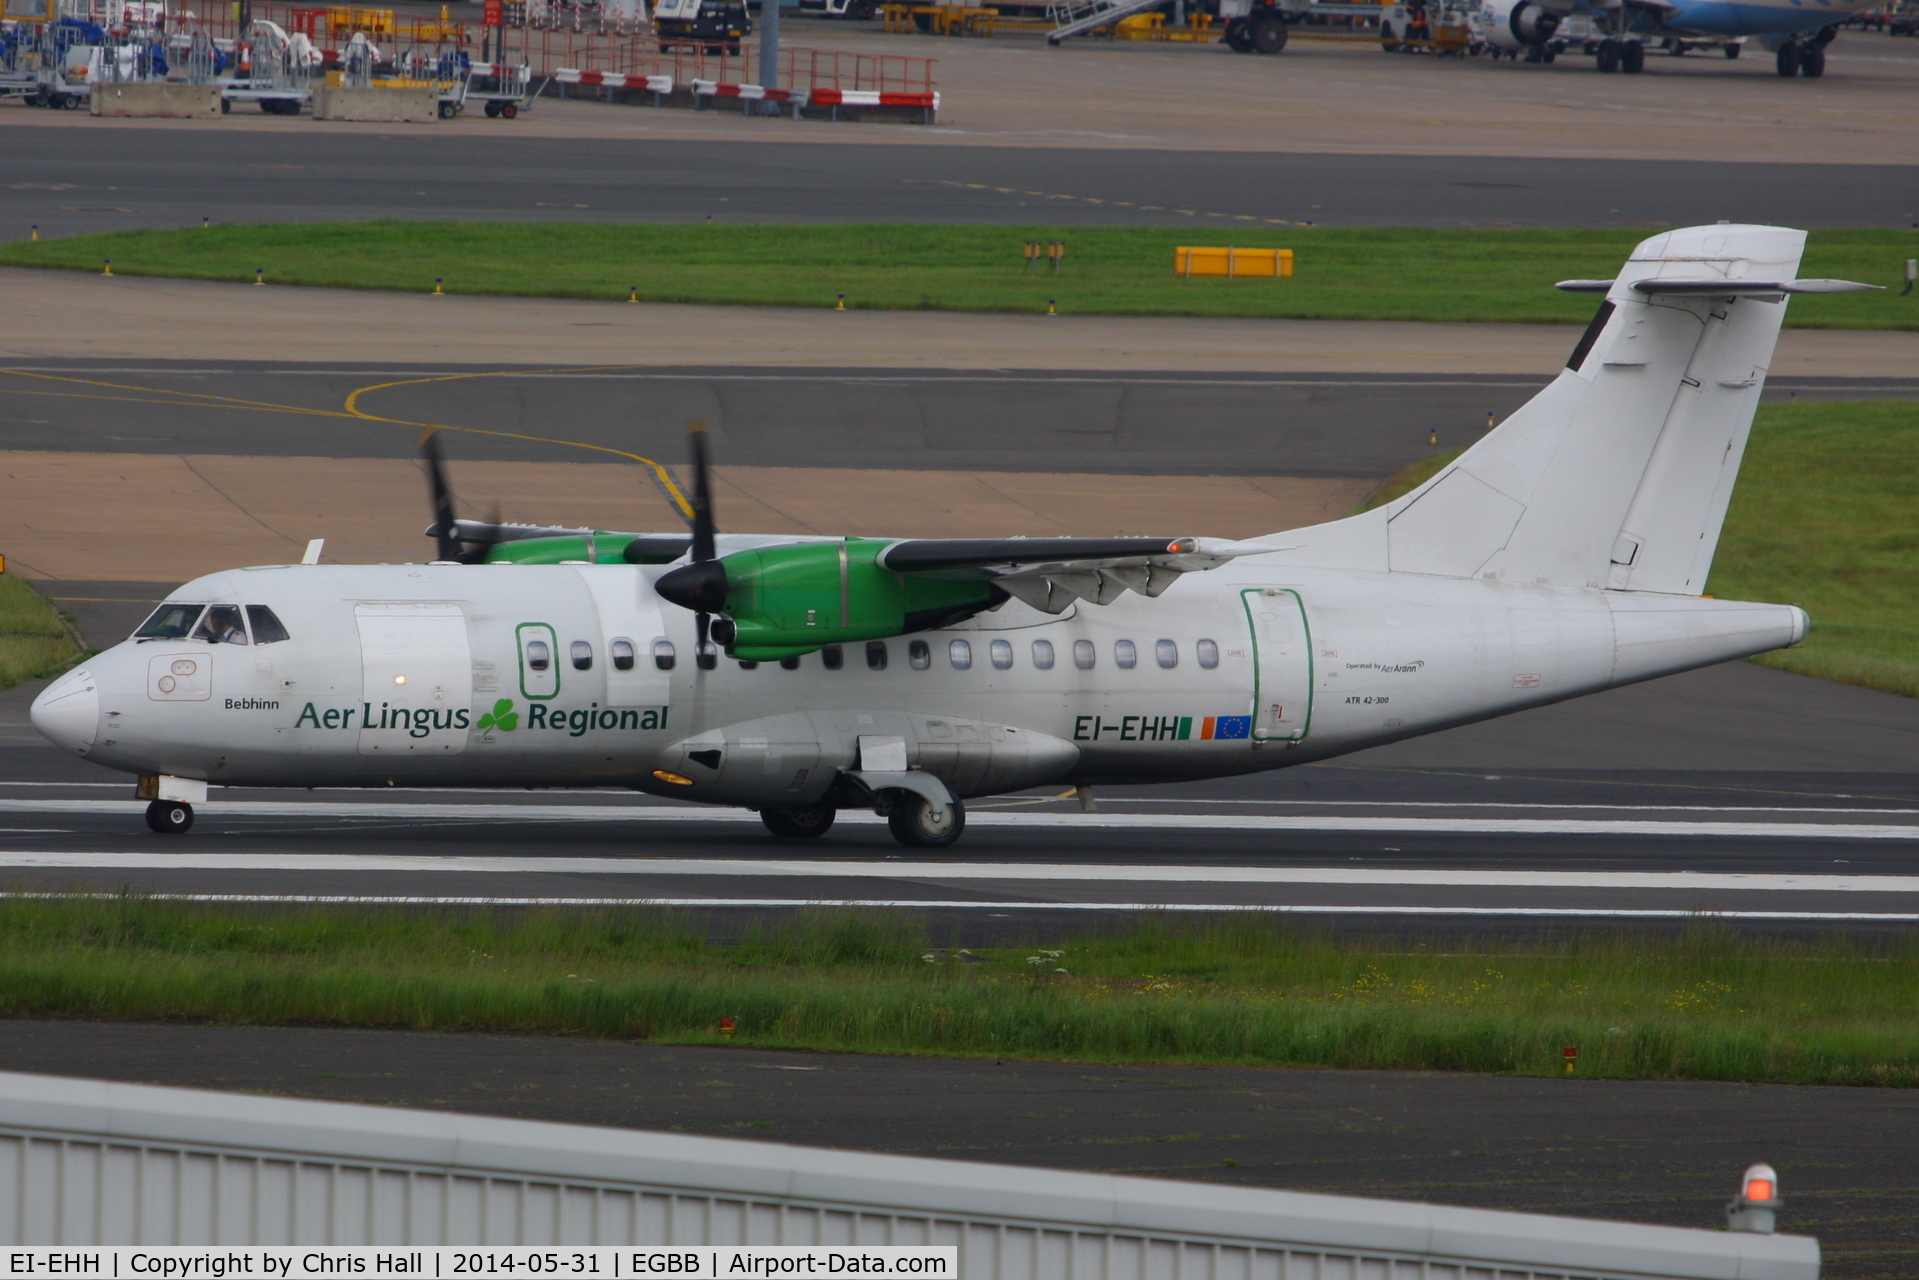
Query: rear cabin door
(417,675)
(630,622)
(1282,663)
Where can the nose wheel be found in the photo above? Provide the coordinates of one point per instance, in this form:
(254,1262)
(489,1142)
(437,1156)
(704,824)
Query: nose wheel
(170,817)
(799,824)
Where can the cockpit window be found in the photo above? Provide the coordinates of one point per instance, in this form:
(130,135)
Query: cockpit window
(267,628)
(170,622)
(222,625)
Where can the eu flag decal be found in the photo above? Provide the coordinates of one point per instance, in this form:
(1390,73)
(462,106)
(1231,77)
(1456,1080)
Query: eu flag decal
(1227,727)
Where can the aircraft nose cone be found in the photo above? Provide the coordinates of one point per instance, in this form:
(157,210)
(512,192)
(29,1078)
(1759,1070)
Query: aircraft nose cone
(700,587)
(67,712)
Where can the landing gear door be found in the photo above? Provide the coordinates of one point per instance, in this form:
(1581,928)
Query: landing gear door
(629,624)
(1282,664)
(417,679)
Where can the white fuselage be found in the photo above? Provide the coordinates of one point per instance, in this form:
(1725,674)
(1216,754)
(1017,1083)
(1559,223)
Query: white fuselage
(427,675)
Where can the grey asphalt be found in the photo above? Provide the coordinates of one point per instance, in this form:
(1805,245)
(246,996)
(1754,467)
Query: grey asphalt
(1848,1159)
(87,180)
(1327,425)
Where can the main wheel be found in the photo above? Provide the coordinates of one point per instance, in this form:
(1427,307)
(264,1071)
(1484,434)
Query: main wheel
(918,824)
(799,824)
(1269,34)
(1812,63)
(1632,57)
(1788,60)
(170,817)
(1236,38)
(1732,51)
(1609,56)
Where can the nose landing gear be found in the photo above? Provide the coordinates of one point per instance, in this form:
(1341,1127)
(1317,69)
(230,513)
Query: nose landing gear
(170,817)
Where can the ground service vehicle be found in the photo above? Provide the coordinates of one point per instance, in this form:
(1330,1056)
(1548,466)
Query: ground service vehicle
(709,25)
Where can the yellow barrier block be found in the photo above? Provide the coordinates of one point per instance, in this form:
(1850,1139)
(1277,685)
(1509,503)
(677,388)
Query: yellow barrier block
(1192,260)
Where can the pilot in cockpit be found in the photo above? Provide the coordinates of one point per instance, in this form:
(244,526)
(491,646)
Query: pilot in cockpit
(222,625)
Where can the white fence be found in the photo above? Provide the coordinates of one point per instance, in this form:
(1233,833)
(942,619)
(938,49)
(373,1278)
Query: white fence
(89,1162)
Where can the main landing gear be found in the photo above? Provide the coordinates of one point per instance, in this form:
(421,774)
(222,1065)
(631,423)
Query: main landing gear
(799,824)
(1628,56)
(170,817)
(1802,58)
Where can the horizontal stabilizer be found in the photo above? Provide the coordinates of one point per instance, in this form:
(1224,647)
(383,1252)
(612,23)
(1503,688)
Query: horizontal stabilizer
(1720,288)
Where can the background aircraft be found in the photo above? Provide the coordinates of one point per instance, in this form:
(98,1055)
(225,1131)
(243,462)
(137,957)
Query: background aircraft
(1795,31)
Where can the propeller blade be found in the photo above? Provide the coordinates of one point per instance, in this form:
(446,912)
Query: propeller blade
(702,498)
(444,528)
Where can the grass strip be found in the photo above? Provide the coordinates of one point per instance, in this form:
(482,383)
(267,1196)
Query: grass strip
(1704,1004)
(1344,273)
(1825,516)
(33,640)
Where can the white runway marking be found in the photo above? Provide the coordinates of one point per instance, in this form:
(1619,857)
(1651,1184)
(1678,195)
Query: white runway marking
(1893,917)
(907,868)
(1010,818)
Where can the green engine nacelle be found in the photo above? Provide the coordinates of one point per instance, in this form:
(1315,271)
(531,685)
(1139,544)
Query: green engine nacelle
(786,601)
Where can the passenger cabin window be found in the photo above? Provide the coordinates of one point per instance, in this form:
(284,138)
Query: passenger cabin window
(622,651)
(267,628)
(1167,653)
(170,622)
(919,655)
(1125,654)
(960,653)
(876,655)
(1084,655)
(222,625)
(1002,653)
(833,656)
(664,655)
(1207,651)
(582,655)
(539,655)
(1043,654)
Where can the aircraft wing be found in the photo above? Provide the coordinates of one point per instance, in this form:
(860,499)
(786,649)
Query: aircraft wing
(1051,573)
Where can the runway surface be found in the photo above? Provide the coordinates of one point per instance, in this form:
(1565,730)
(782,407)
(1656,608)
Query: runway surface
(107,178)
(1591,811)
(1634,1151)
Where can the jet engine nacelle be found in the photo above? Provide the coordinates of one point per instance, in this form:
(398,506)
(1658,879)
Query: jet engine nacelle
(792,761)
(1517,24)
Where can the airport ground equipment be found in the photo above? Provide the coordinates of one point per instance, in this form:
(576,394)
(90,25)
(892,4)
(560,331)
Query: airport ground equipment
(238,1169)
(710,26)
(504,90)
(1427,26)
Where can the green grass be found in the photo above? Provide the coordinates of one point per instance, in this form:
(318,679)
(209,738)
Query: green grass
(1706,1004)
(33,640)
(1825,516)
(1343,273)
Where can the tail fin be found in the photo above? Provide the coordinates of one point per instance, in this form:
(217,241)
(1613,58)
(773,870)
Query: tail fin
(1618,474)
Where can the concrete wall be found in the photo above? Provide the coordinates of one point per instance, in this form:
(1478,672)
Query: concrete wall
(174,101)
(384,105)
(92,1162)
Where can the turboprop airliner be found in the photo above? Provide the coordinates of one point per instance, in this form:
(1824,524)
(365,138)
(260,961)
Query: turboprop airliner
(1567,552)
(1795,32)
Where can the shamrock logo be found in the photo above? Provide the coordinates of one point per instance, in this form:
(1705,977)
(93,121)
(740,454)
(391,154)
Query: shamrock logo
(503,717)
